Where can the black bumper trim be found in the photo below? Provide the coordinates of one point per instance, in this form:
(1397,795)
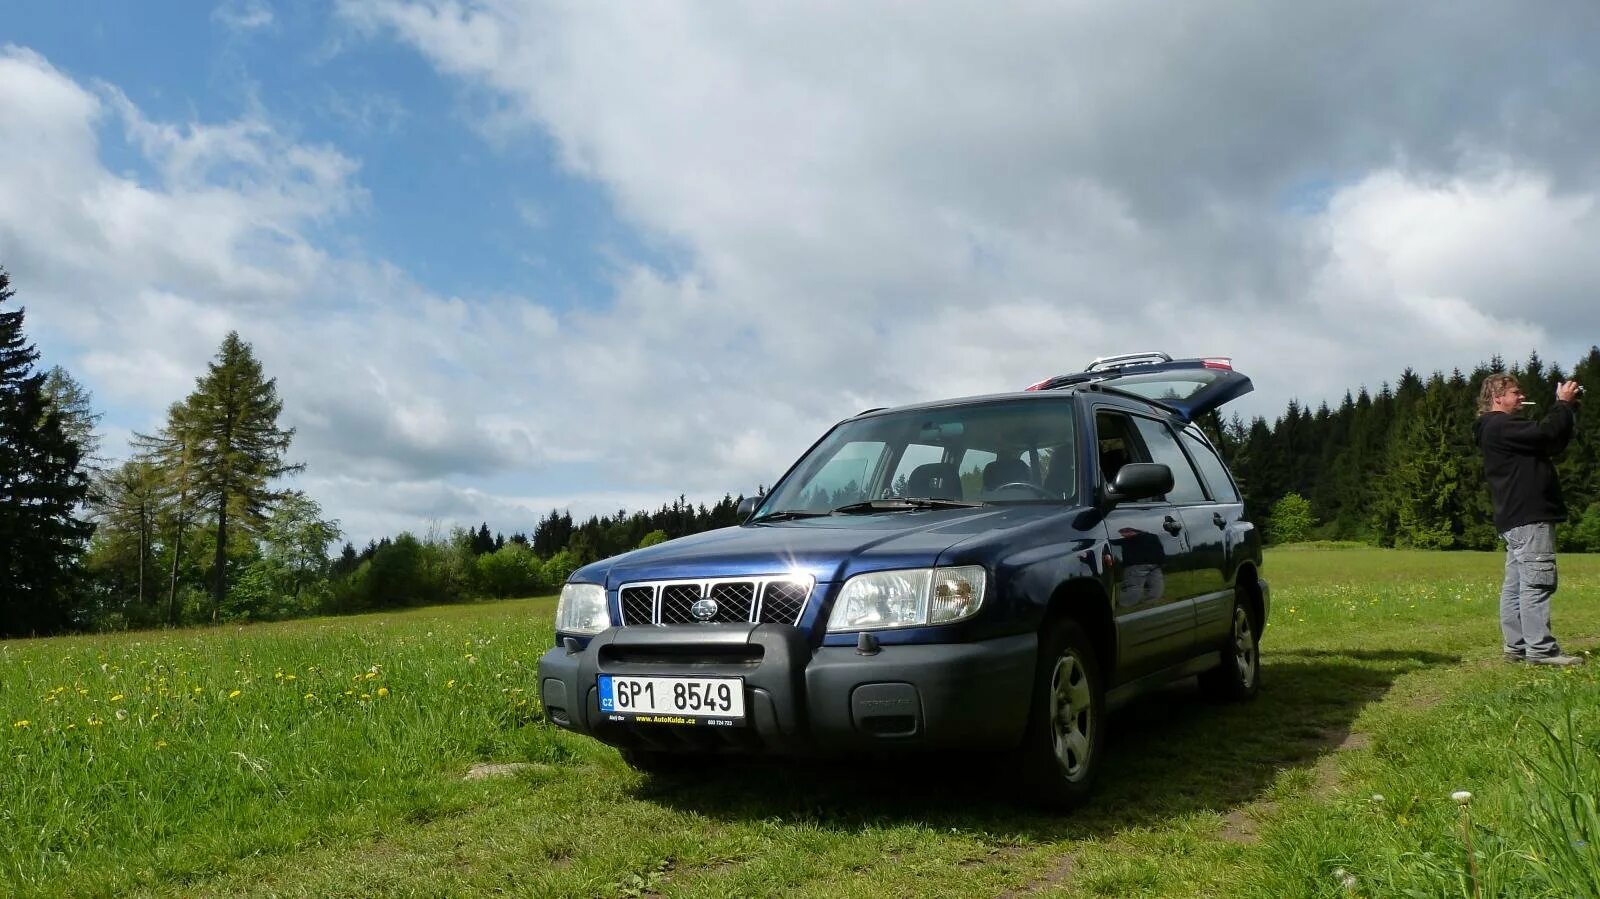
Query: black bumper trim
(804,701)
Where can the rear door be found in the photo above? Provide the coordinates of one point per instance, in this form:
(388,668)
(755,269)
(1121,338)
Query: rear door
(1222,521)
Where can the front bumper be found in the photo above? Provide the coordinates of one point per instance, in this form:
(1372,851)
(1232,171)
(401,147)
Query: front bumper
(801,700)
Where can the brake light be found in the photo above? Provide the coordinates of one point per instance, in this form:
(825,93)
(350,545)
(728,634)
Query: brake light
(1221,362)
(1038,386)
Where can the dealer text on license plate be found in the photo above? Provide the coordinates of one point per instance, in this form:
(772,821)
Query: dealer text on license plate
(673,700)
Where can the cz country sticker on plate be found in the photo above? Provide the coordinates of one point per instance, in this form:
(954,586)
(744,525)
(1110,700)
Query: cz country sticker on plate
(717,701)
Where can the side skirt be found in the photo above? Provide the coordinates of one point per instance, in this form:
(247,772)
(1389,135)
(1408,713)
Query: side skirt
(1120,695)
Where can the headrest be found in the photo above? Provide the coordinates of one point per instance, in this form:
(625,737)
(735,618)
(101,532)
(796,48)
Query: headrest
(1004,471)
(934,480)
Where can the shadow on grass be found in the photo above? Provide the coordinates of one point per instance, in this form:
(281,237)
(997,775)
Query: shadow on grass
(1169,753)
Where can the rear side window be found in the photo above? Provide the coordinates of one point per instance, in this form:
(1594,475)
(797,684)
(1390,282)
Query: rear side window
(1211,468)
(1164,448)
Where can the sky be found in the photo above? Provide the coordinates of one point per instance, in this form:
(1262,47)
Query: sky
(505,256)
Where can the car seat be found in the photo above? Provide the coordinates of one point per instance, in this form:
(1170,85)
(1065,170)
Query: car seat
(1005,471)
(934,480)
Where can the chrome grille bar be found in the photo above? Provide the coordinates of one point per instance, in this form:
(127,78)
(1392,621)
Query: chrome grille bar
(767,599)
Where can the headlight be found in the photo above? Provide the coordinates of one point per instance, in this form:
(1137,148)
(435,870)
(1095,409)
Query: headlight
(582,609)
(917,596)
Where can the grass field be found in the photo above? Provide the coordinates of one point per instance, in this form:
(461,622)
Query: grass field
(327,757)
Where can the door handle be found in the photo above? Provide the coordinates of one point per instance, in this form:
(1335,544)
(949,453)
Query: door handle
(1172,525)
(1218,520)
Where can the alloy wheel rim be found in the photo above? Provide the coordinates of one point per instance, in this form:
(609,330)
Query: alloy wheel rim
(1071,716)
(1244,647)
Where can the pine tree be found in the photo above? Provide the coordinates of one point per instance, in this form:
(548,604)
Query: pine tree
(41,488)
(230,424)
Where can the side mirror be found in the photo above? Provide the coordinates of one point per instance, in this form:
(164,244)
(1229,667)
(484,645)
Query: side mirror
(747,507)
(1138,480)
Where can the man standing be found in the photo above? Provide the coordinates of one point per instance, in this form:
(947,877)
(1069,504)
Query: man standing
(1527,504)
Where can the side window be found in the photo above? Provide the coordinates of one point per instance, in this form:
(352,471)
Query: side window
(1211,468)
(1164,449)
(1115,443)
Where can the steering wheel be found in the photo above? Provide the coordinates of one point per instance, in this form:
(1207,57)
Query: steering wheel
(1032,488)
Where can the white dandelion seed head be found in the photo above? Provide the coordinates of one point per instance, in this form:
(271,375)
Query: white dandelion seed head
(1461,796)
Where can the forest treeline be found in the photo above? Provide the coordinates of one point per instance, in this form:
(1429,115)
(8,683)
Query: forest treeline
(1399,467)
(197,524)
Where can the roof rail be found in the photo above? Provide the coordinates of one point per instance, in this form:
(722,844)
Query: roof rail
(1108,362)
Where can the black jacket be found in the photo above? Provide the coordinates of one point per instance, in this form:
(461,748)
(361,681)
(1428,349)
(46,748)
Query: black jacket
(1516,460)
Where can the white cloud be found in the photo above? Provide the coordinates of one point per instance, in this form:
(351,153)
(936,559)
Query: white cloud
(863,205)
(243,15)
(885,208)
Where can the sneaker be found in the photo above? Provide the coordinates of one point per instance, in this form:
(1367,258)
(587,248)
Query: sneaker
(1557,660)
(1513,657)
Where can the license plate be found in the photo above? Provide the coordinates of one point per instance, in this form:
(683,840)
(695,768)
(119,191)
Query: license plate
(673,700)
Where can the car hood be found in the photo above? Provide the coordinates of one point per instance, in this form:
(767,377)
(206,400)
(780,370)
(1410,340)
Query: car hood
(828,549)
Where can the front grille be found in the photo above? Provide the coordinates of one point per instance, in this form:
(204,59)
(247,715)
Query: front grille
(779,599)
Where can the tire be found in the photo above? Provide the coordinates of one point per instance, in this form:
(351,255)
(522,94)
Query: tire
(1061,752)
(1238,678)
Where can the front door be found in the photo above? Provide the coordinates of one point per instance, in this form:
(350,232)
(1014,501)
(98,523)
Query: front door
(1153,608)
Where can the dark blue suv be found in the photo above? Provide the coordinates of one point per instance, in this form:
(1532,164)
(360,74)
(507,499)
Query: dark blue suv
(975,574)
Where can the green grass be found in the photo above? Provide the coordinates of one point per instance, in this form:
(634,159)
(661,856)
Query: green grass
(140,771)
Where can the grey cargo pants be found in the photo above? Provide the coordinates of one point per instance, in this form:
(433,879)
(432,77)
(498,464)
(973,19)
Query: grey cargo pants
(1525,595)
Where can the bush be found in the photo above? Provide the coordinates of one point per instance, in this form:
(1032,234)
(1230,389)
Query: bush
(1290,520)
(1585,537)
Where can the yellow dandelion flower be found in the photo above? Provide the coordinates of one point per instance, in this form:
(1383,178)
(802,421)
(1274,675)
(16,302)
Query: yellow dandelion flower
(366,696)
(72,727)
(161,744)
(383,691)
(288,677)
(117,698)
(234,694)
(23,723)
(450,683)
(93,721)
(197,690)
(311,696)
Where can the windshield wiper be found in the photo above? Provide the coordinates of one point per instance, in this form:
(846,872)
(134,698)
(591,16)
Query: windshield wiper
(901,504)
(786,515)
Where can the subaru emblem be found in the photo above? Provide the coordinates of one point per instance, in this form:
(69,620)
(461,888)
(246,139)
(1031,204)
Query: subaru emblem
(704,609)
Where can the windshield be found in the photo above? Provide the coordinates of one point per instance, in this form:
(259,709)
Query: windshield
(1008,451)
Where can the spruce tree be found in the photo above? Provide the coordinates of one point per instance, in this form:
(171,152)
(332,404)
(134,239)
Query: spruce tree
(230,423)
(41,488)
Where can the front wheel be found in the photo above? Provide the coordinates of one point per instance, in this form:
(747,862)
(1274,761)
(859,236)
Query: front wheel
(1239,675)
(1060,754)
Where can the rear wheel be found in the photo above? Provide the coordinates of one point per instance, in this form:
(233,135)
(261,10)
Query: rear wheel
(1239,675)
(1060,754)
